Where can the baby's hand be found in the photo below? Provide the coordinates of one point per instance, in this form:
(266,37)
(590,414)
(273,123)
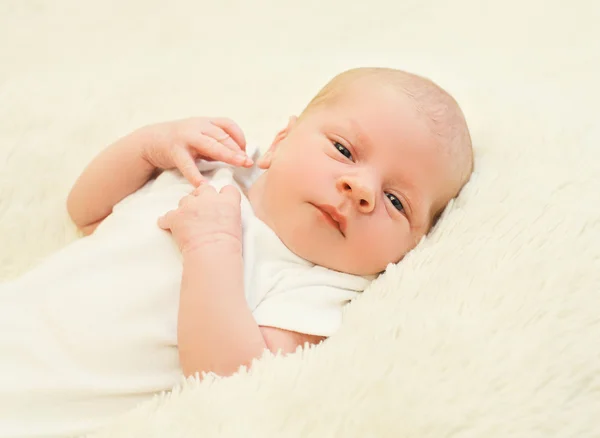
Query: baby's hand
(206,218)
(177,144)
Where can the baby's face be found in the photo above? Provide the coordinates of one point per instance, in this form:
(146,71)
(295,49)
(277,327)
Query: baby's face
(353,184)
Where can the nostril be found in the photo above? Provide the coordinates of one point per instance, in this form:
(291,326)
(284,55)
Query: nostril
(347,187)
(363,203)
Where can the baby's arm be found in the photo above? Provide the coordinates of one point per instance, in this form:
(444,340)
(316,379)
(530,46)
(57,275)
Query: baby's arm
(216,331)
(116,172)
(129,163)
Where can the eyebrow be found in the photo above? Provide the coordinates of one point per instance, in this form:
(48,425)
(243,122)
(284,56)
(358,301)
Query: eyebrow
(359,133)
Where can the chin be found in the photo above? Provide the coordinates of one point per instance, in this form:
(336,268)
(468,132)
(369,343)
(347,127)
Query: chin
(322,253)
(309,244)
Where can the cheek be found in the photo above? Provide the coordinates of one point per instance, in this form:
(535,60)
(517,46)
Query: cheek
(292,159)
(285,168)
(307,169)
(388,240)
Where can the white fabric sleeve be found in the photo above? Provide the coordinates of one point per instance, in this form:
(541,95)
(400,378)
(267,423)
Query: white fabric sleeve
(314,310)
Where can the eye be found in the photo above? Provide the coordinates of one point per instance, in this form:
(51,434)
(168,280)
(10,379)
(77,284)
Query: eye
(343,150)
(395,202)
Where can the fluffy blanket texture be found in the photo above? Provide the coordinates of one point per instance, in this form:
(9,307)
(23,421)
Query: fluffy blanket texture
(489,328)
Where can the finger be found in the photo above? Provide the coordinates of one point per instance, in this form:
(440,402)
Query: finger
(222,137)
(231,192)
(264,161)
(164,221)
(232,129)
(210,147)
(187,166)
(203,188)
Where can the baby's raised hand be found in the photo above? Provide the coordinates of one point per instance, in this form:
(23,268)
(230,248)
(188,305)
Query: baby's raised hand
(206,219)
(178,144)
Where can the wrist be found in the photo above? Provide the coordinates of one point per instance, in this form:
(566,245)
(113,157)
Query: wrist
(141,140)
(213,245)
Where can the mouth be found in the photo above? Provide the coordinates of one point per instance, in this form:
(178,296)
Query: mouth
(333,217)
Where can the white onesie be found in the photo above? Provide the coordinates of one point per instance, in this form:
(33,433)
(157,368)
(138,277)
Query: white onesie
(91,331)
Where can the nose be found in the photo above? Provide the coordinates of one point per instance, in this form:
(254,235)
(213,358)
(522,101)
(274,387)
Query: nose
(359,190)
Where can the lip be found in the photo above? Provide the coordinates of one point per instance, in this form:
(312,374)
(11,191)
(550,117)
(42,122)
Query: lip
(333,217)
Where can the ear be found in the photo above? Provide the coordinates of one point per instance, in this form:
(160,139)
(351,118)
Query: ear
(264,162)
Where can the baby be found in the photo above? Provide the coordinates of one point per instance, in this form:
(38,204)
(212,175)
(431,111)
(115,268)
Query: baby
(199,260)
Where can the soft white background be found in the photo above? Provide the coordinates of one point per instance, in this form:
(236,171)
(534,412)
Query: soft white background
(489,328)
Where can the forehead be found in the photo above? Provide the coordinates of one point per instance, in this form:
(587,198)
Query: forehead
(387,124)
(382,114)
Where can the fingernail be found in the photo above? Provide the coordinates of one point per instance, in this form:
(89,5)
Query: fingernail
(241,158)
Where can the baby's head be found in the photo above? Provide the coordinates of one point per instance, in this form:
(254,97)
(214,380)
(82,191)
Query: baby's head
(356,180)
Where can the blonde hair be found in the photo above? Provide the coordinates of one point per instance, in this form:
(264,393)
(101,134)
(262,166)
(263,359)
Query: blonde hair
(443,114)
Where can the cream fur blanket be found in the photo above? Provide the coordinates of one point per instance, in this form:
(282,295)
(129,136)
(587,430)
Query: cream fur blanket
(490,328)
